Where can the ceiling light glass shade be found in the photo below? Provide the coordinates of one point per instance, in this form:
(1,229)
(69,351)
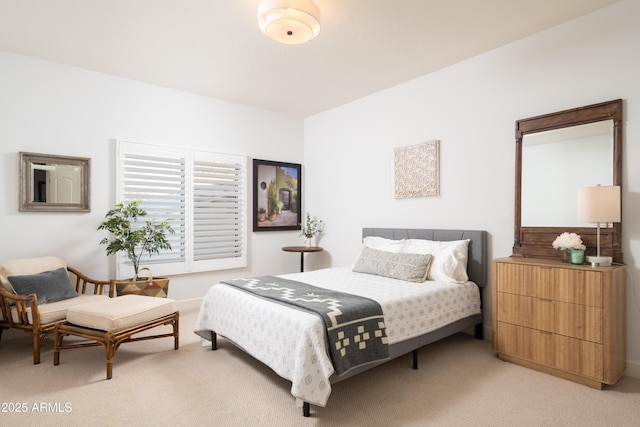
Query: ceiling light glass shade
(289,21)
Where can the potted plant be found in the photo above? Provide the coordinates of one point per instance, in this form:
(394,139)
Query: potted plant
(311,228)
(262,215)
(135,240)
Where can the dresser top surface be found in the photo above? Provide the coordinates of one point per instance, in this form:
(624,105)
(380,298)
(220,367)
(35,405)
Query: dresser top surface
(555,263)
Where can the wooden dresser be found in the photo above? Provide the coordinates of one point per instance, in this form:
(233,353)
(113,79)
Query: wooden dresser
(562,319)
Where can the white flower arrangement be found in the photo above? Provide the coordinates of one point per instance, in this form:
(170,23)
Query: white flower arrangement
(568,241)
(312,226)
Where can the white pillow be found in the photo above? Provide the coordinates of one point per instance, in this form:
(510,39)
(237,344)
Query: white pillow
(382,244)
(449,262)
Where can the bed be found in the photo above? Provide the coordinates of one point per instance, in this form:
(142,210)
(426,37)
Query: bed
(293,342)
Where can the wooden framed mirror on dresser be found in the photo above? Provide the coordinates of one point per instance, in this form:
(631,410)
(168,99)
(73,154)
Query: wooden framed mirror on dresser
(564,319)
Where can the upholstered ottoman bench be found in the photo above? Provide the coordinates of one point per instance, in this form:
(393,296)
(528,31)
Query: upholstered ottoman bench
(114,321)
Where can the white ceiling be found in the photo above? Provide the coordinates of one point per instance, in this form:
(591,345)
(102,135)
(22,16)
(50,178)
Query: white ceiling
(214,47)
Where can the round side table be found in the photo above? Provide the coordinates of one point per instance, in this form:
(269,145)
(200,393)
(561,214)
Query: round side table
(302,250)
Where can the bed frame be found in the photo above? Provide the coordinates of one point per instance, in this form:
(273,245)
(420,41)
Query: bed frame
(477,268)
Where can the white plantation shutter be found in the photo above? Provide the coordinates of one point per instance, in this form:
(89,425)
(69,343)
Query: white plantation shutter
(218,208)
(201,194)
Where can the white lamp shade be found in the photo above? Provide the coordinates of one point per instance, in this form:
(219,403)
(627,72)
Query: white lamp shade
(599,204)
(289,21)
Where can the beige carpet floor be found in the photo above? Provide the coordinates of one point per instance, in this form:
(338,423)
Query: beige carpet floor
(460,383)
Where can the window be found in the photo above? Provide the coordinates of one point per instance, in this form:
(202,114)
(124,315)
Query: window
(203,196)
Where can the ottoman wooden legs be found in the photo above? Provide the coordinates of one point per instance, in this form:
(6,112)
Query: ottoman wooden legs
(111,340)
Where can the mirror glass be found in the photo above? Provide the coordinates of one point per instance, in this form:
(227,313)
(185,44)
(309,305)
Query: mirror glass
(52,183)
(556,163)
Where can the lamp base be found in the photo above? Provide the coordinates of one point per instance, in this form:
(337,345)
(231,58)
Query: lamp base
(600,261)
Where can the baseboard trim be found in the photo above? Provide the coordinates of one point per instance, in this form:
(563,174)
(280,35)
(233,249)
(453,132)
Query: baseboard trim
(633,369)
(189,304)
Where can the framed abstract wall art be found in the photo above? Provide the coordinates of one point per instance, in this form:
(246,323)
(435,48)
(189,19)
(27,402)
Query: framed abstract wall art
(417,170)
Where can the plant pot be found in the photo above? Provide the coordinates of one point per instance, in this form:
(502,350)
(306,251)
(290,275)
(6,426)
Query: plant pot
(146,286)
(262,217)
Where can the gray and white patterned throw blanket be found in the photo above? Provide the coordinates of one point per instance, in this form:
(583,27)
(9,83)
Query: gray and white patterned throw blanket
(355,326)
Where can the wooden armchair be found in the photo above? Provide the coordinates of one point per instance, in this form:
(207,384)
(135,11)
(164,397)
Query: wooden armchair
(23,311)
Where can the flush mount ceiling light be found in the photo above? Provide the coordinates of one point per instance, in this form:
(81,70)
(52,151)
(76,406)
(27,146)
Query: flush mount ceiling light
(289,21)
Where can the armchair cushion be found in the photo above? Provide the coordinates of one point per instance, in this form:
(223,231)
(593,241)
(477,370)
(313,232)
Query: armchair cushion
(49,286)
(56,311)
(22,266)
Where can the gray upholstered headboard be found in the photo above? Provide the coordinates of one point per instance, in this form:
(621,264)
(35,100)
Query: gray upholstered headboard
(477,267)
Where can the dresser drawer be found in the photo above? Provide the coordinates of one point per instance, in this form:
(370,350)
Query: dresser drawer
(525,343)
(570,285)
(572,320)
(577,286)
(521,279)
(572,355)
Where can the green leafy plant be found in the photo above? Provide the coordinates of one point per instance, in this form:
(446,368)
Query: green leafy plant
(312,226)
(130,236)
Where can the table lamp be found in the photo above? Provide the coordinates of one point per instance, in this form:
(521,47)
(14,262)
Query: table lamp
(599,205)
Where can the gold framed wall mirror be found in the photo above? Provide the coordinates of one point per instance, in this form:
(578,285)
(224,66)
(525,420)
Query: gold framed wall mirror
(556,154)
(52,183)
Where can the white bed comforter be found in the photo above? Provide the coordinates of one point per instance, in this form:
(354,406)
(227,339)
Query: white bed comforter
(292,342)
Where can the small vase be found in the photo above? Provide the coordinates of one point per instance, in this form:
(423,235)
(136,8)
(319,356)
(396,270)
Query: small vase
(577,256)
(307,242)
(565,255)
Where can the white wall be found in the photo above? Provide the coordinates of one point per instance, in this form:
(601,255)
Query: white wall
(472,108)
(55,109)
